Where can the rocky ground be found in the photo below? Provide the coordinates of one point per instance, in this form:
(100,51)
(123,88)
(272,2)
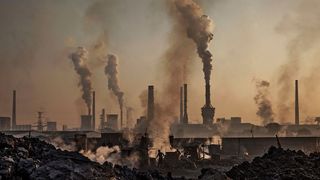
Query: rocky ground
(278,163)
(31,158)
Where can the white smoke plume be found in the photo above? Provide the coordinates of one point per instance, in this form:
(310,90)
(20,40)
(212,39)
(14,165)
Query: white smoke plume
(113,154)
(103,154)
(79,59)
(59,143)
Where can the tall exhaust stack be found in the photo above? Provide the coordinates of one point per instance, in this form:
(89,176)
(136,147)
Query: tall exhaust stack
(102,119)
(150,111)
(14,123)
(181,105)
(93,110)
(185,109)
(207,111)
(296,103)
(121,118)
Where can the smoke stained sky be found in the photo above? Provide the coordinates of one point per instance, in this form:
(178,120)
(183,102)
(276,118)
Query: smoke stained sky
(37,36)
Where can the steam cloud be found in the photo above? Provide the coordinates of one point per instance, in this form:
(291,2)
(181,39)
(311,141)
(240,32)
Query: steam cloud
(79,59)
(111,154)
(261,99)
(111,72)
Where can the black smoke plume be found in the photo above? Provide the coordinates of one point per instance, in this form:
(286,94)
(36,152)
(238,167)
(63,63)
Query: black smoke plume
(261,99)
(111,72)
(79,59)
(199,28)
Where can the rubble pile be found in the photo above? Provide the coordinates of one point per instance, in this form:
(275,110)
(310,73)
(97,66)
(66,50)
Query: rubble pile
(31,158)
(279,164)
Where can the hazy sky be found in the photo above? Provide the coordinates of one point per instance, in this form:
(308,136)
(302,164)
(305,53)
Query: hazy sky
(251,40)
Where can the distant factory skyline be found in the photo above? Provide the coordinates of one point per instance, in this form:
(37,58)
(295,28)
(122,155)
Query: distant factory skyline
(271,41)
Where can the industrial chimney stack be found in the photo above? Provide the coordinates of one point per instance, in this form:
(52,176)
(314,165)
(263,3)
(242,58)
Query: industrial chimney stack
(102,119)
(207,111)
(185,109)
(93,110)
(296,103)
(150,111)
(14,123)
(181,105)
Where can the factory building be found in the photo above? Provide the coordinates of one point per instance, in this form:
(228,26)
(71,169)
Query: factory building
(23,127)
(4,123)
(112,121)
(51,126)
(260,145)
(86,123)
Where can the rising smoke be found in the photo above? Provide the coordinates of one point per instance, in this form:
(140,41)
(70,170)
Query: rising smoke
(111,72)
(263,102)
(199,28)
(113,155)
(304,30)
(189,23)
(79,59)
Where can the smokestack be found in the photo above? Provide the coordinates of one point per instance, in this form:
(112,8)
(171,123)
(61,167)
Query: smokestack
(150,113)
(207,110)
(93,110)
(13,125)
(199,28)
(102,119)
(181,105)
(296,103)
(185,115)
(121,118)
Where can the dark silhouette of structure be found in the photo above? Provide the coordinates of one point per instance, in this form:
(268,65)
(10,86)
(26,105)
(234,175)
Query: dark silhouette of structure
(207,111)
(150,111)
(93,110)
(14,123)
(296,112)
(185,109)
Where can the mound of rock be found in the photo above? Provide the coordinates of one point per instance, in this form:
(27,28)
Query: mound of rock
(279,164)
(31,158)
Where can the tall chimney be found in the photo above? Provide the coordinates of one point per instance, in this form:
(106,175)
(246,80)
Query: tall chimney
(102,119)
(93,110)
(14,123)
(185,109)
(121,118)
(207,111)
(296,103)
(181,105)
(150,111)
